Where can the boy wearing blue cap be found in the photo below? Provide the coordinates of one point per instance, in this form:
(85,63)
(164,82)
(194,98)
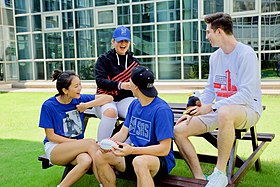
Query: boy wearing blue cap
(112,73)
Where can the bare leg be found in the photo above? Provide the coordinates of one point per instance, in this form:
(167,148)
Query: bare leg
(75,153)
(229,117)
(104,163)
(82,164)
(182,132)
(146,167)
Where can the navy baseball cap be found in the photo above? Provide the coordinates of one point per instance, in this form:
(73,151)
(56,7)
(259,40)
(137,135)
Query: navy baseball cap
(121,33)
(143,78)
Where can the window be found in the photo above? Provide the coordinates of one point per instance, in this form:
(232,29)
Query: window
(243,6)
(106,17)
(52,22)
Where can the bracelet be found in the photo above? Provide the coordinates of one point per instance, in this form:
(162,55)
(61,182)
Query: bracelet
(119,85)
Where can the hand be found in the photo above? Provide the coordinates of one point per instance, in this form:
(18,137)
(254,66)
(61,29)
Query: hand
(125,86)
(81,107)
(122,150)
(184,119)
(203,109)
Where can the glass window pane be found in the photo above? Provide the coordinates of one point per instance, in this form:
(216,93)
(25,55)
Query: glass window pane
(35,6)
(38,46)
(105,17)
(86,69)
(169,39)
(39,71)
(190,37)
(204,67)
(66,4)
(168,10)
(241,5)
(205,44)
(8,3)
(123,15)
(270,32)
(139,0)
(67,20)
(191,70)
(83,3)
(51,66)
(270,6)
(104,2)
(21,6)
(143,13)
(169,68)
(2,72)
(70,65)
(2,51)
(104,37)
(122,1)
(12,71)
(270,65)
(36,23)
(22,24)
(68,40)
(85,44)
(10,51)
(50,5)
(245,30)
(25,71)
(8,17)
(6,33)
(144,39)
(212,6)
(52,22)
(1,16)
(53,45)
(149,63)
(24,46)
(84,18)
(190,10)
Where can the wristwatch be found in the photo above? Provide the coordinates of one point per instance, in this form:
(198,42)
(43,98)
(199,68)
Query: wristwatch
(214,107)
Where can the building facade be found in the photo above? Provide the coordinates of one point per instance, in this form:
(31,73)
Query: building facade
(38,36)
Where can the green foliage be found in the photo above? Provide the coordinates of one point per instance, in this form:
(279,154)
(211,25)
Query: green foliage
(21,144)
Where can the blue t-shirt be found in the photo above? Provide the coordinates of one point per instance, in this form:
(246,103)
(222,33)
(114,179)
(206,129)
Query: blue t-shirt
(65,119)
(150,124)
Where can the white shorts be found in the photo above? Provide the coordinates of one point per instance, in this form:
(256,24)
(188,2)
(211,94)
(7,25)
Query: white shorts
(210,120)
(49,146)
(121,107)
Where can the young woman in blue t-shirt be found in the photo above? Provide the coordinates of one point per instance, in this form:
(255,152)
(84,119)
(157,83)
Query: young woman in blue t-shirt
(64,143)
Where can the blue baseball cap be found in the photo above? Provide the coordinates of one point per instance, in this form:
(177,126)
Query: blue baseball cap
(121,33)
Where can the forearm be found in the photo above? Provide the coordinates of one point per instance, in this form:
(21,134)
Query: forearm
(161,149)
(52,137)
(99,100)
(156,150)
(122,135)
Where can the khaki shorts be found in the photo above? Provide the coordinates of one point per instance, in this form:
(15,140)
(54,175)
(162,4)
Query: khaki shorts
(210,120)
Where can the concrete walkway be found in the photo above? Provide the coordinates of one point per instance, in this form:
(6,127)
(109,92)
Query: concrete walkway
(270,88)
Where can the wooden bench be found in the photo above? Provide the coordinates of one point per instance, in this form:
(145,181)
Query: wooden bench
(259,143)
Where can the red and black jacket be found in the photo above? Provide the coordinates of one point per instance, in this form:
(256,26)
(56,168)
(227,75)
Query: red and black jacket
(109,72)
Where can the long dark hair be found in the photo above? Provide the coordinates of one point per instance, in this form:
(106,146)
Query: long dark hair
(63,79)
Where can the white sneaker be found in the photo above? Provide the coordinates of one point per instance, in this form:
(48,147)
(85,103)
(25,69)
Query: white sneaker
(217,179)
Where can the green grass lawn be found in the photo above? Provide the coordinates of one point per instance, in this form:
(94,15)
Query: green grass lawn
(21,144)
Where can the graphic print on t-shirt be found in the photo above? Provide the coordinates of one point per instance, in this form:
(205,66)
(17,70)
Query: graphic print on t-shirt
(140,128)
(72,124)
(223,83)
